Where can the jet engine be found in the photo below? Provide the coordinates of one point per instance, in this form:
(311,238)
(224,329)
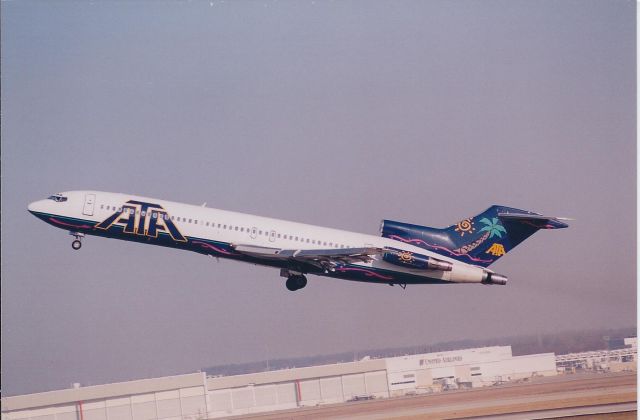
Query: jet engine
(464,273)
(418,261)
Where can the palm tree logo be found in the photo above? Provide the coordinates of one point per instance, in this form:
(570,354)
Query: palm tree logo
(493,227)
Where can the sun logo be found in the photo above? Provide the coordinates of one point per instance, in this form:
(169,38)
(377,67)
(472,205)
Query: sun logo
(405,257)
(465,226)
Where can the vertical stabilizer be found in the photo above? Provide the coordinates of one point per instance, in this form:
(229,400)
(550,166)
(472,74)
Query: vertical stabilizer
(479,240)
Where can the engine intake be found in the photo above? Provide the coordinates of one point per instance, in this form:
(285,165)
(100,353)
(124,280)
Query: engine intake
(413,260)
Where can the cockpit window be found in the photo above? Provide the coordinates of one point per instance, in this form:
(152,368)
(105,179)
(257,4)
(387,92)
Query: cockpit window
(59,198)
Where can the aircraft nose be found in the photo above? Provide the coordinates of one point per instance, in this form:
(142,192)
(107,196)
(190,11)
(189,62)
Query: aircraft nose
(34,207)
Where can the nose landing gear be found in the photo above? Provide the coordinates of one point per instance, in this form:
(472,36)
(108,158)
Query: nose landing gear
(77,243)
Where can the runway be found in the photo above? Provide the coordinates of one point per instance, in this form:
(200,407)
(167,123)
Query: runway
(618,411)
(613,395)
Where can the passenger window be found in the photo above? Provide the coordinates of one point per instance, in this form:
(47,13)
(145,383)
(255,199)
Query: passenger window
(236,228)
(241,229)
(307,240)
(296,238)
(224,226)
(278,236)
(101,206)
(189,220)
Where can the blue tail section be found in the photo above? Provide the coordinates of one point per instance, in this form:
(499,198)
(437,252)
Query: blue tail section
(479,240)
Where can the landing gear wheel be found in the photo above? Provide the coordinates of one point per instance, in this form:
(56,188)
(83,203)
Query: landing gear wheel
(296,282)
(77,244)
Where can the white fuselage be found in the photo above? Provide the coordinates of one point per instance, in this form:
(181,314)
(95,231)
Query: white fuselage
(240,229)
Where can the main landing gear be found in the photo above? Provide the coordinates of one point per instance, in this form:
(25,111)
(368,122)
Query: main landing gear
(77,243)
(295,281)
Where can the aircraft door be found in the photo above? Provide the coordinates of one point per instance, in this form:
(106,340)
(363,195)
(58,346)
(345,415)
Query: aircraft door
(89,203)
(272,236)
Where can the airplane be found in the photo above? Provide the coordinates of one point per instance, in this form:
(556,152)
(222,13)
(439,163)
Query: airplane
(403,253)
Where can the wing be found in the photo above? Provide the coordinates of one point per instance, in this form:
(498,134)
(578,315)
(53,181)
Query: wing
(325,259)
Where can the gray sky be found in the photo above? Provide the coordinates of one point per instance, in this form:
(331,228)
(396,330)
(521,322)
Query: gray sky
(330,113)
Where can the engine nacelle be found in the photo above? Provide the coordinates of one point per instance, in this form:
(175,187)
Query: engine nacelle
(412,260)
(463,273)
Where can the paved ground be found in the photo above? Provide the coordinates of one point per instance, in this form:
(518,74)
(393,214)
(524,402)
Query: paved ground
(608,395)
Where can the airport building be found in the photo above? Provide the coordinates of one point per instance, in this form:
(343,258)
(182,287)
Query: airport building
(196,396)
(468,368)
(616,360)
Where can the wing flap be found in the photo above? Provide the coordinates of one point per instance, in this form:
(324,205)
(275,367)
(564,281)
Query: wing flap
(326,259)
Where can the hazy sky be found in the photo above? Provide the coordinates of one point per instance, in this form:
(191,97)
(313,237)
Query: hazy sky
(330,113)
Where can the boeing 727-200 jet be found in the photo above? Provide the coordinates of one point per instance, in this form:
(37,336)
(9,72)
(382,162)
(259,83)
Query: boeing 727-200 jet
(403,253)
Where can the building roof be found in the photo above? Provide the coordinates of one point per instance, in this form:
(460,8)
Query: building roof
(285,375)
(44,399)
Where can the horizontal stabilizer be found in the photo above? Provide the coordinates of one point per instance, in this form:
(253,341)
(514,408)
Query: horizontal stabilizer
(536,220)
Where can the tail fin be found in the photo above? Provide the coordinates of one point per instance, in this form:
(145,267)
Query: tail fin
(479,240)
